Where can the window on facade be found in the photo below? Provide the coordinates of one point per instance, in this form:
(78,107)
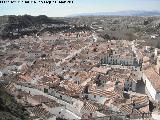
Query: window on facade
(60,97)
(94,96)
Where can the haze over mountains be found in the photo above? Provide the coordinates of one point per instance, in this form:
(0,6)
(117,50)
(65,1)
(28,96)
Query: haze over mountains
(121,13)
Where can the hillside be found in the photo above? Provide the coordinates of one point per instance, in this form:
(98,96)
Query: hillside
(121,13)
(28,20)
(20,25)
(10,109)
(123,27)
(16,26)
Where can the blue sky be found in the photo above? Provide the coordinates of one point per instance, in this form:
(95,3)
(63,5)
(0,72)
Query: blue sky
(79,6)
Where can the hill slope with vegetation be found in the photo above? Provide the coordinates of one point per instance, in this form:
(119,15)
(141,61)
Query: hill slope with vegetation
(10,109)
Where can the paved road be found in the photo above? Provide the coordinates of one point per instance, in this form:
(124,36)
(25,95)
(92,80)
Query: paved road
(78,51)
(73,55)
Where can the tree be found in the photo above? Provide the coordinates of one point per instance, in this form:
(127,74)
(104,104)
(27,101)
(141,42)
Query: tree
(130,36)
(146,22)
(106,36)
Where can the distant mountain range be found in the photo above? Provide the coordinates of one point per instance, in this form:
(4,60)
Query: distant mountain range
(121,13)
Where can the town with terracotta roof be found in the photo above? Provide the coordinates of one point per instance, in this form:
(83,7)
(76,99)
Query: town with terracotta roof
(75,74)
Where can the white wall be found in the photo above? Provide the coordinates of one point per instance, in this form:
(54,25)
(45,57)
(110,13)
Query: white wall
(134,86)
(119,60)
(149,87)
(158,96)
(97,98)
(33,55)
(156,115)
(13,68)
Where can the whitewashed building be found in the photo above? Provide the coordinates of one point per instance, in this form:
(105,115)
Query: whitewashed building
(119,60)
(33,54)
(13,68)
(152,83)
